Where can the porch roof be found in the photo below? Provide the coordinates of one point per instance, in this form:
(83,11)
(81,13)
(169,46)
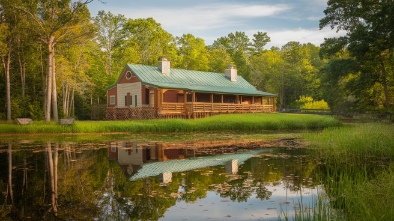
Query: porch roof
(198,81)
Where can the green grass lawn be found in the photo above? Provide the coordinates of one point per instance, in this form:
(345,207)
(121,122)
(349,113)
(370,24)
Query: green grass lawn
(230,122)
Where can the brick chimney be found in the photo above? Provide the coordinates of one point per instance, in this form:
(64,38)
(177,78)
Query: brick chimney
(164,65)
(231,73)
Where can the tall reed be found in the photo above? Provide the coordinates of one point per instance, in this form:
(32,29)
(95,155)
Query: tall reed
(231,122)
(357,169)
(355,144)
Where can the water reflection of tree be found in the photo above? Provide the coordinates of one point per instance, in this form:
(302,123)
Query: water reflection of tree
(42,177)
(80,183)
(83,173)
(52,165)
(238,191)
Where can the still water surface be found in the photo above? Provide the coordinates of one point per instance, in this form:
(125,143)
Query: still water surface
(125,180)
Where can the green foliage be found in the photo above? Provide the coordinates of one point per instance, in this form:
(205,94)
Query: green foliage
(369,40)
(357,169)
(308,103)
(218,59)
(259,41)
(110,36)
(149,40)
(193,53)
(35,110)
(353,72)
(3,37)
(237,46)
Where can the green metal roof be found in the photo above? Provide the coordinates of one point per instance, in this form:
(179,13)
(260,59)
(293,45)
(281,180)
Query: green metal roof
(198,81)
(156,168)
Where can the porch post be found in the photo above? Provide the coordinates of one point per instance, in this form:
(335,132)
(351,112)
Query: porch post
(193,100)
(211,102)
(159,99)
(184,103)
(151,97)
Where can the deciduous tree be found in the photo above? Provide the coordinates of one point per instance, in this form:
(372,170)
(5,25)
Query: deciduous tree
(52,23)
(149,39)
(369,27)
(193,53)
(110,35)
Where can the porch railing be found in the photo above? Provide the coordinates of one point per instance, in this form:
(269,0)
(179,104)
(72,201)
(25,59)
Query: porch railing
(188,108)
(182,110)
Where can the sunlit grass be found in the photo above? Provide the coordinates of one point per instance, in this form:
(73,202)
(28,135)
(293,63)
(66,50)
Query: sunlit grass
(354,144)
(231,122)
(357,169)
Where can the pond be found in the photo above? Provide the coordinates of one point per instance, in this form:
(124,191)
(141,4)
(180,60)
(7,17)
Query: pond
(132,180)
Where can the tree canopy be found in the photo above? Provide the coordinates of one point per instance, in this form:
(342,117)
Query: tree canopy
(67,55)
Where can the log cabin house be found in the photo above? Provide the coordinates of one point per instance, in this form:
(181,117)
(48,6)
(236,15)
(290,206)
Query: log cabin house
(149,92)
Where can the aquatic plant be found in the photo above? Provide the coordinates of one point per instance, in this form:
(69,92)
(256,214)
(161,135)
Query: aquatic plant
(357,164)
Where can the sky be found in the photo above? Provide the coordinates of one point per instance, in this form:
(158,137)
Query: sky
(283,20)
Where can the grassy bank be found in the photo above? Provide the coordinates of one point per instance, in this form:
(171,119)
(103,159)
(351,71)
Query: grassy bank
(231,122)
(357,170)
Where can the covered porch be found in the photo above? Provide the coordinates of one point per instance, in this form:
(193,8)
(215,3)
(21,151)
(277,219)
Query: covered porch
(174,103)
(192,104)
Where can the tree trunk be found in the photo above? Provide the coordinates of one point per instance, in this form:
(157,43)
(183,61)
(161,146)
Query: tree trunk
(49,80)
(72,104)
(65,99)
(7,65)
(54,89)
(109,63)
(22,67)
(10,192)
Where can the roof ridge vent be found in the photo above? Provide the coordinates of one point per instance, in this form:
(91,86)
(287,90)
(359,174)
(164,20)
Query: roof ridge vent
(164,65)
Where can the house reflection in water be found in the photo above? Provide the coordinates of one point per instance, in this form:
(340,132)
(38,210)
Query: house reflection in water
(132,155)
(232,167)
(165,177)
(140,160)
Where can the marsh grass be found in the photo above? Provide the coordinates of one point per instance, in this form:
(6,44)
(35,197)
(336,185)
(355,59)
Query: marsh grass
(355,144)
(357,169)
(231,122)
(318,211)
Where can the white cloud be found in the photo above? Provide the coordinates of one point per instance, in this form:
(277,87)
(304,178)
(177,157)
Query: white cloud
(209,16)
(283,22)
(302,35)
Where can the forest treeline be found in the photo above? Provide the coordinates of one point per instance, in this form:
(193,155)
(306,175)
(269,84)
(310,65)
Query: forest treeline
(58,59)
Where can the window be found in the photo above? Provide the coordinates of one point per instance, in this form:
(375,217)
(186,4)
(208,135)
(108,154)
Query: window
(135,101)
(112,100)
(131,100)
(128,75)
